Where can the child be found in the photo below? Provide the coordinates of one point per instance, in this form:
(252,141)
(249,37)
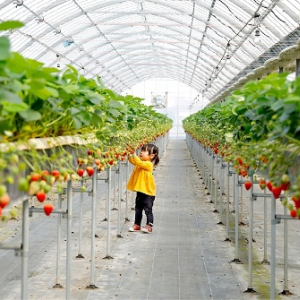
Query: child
(142,182)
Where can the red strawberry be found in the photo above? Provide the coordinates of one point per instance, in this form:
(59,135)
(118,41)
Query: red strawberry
(41,196)
(4,200)
(296,200)
(34,177)
(285,186)
(56,174)
(90,152)
(90,171)
(269,186)
(239,160)
(48,209)
(276,190)
(80,172)
(247,185)
(293,213)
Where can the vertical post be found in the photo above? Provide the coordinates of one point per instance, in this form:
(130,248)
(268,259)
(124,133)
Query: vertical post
(108,256)
(127,194)
(80,221)
(250,240)
(58,234)
(285,252)
(227,203)
(236,227)
(93,230)
(241,208)
(265,259)
(273,247)
(119,199)
(221,190)
(25,248)
(69,234)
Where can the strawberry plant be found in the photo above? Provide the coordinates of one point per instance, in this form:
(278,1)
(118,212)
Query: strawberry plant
(38,102)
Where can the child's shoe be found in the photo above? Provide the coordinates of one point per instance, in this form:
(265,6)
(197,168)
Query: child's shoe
(147,229)
(135,227)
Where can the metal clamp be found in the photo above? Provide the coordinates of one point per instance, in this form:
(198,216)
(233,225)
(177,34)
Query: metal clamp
(41,210)
(279,217)
(8,246)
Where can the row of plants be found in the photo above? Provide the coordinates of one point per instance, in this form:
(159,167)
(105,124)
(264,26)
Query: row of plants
(257,129)
(38,102)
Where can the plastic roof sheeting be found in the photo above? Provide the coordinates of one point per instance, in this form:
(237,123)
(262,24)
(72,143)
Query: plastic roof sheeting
(206,44)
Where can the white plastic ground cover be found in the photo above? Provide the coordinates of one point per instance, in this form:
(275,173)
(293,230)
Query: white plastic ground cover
(126,42)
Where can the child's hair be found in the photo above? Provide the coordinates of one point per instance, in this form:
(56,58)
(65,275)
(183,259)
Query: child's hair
(152,149)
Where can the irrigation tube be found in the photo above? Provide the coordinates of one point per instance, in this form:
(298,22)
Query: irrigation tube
(25,250)
(69,234)
(58,238)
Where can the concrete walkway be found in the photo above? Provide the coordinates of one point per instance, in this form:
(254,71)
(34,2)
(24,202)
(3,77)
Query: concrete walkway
(184,258)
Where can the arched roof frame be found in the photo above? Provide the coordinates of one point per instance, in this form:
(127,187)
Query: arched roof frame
(195,37)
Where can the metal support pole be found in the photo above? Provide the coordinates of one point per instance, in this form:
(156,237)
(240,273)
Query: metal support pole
(242,200)
(119,172)
(69,235)
(127,194)
(236,227)
(79,255)
(273,247)
(265,259)
(58,242)
(108,256)
(25,248)
(93,230)
(212,163)
(114,190)
(250,241)
(227,203)
(216,193)
(221,190)
(285,253)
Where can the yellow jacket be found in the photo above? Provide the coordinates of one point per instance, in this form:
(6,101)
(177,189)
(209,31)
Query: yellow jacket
(141,179)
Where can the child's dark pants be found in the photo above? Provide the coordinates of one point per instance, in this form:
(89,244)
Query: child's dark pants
(143,202)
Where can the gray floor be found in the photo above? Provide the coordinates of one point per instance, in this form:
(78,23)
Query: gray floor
(185,257)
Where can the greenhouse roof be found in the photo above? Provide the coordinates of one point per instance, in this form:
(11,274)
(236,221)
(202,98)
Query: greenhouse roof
(207,44)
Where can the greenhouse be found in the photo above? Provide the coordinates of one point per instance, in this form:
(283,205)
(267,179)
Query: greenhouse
(149,149)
